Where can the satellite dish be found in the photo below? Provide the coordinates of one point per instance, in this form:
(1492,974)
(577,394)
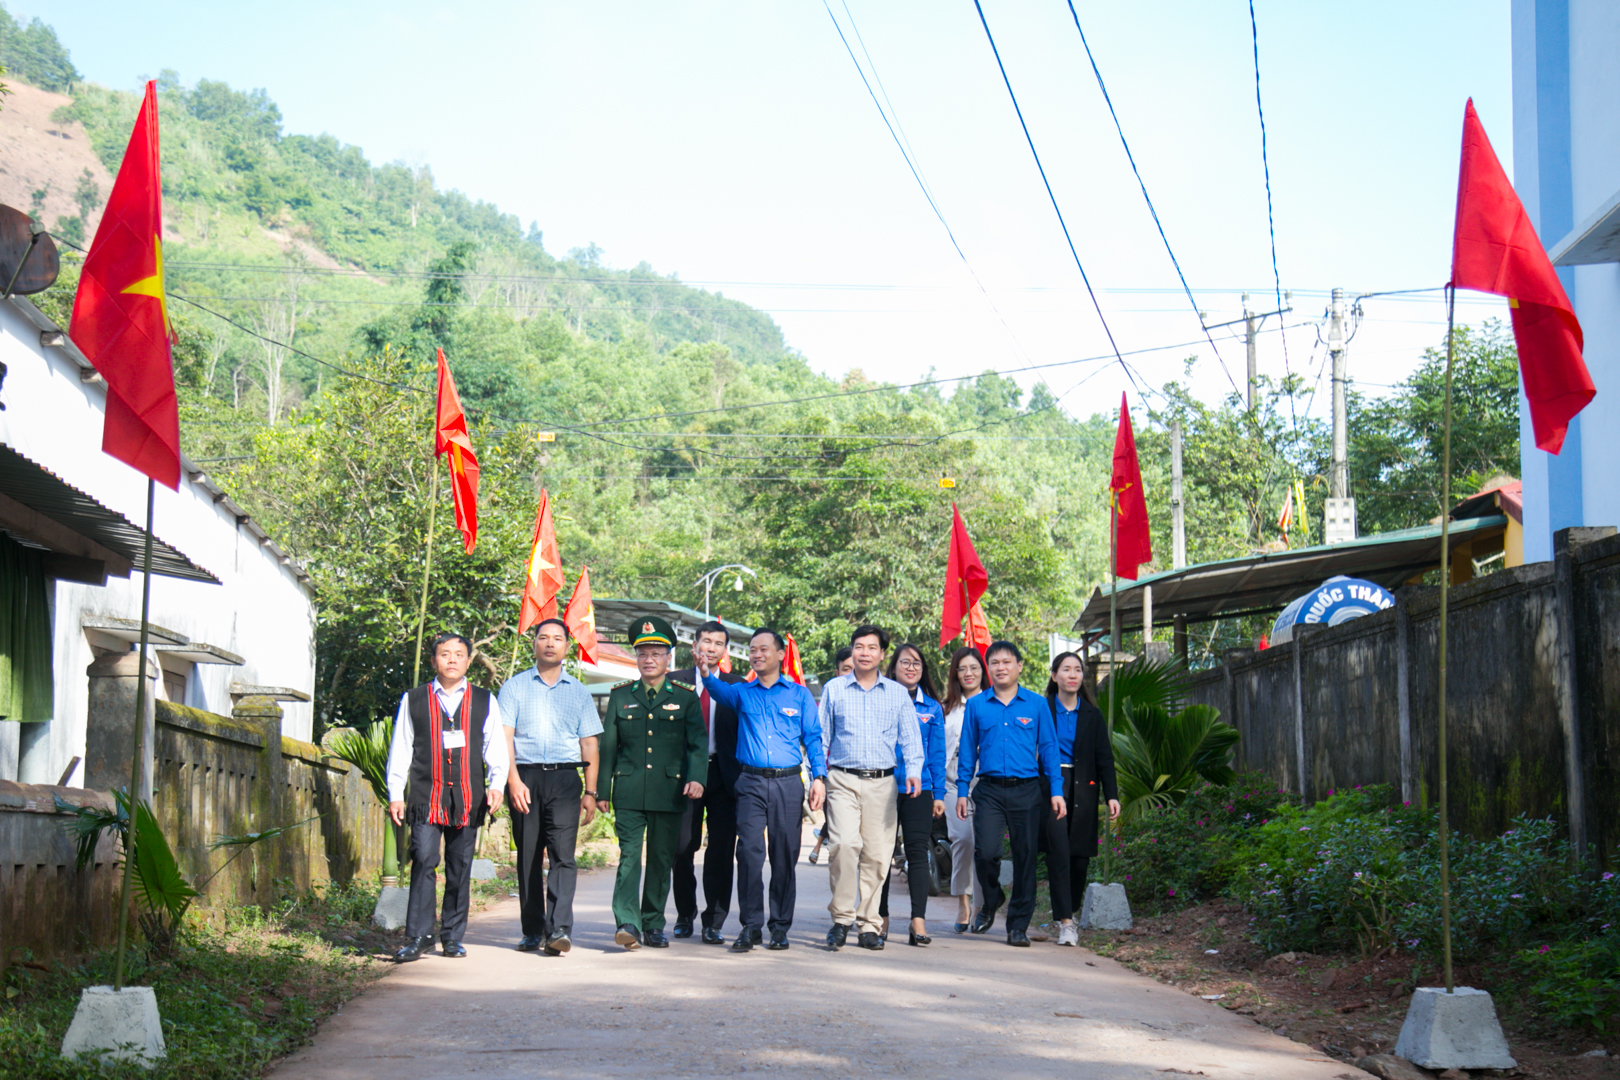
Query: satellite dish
(28,259)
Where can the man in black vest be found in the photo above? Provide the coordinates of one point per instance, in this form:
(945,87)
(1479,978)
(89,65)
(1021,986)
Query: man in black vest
(446,766)
(718,804)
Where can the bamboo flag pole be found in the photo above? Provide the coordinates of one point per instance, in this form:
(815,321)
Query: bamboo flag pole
(427,571)
(1113,661)
(136,771)
(1445,595)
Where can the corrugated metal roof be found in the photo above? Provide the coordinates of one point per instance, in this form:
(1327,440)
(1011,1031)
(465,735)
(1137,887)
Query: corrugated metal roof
(613,618)
(1268,582)
(36,487)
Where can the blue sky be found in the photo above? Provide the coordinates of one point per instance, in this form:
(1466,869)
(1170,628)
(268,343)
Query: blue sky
(735,144)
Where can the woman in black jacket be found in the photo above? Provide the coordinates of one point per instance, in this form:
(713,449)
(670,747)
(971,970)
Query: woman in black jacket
(1088,772)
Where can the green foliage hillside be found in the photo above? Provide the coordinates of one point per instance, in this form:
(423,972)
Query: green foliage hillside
(673,426)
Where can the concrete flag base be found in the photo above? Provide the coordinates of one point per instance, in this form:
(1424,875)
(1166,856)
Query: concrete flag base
(1453,1031)
(392,902)
(120,1024)
(483,869)
(1105,908)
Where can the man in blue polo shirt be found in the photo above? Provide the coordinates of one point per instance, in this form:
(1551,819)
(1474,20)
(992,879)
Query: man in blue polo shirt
(777,727)
(1008,736)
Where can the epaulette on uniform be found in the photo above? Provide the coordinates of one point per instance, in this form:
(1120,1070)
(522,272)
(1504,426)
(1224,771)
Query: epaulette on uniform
(622,685)
(684,685)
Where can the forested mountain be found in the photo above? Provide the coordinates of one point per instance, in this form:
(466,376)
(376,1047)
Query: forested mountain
(673,427)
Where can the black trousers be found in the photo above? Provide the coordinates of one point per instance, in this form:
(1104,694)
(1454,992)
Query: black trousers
(550,827)
(1059,874)
(1016,813)
(720,864)
(683,877)
(917,836)
(1079,870)
(459,844)
(768,814)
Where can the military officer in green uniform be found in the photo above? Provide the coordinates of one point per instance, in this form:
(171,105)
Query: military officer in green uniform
(655,757)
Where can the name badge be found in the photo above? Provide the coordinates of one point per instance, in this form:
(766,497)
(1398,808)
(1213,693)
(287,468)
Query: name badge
(455,740)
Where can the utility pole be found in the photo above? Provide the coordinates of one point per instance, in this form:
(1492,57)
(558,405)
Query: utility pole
(1178,514)
(1248,336)
(1339,512)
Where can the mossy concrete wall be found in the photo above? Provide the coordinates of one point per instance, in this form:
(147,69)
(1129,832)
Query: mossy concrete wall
(213,776)
(1533,719)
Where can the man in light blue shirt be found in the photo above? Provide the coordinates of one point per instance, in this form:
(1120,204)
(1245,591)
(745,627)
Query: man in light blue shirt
(551,729)
(864,717)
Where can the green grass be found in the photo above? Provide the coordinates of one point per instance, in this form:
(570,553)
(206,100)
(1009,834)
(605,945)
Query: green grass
(233,997)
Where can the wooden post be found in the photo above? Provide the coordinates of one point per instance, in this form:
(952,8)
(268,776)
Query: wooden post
(1403,694)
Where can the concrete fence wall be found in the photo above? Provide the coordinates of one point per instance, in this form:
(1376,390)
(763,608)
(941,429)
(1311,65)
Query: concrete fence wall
(1533,691)
(212,776)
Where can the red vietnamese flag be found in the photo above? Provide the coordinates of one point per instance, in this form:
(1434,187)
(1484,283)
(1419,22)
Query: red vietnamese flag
(543,577)
(450,438)
(580,616)
(1495,250)
(1132,545)
(792,667)
(120,318)
(978,632)
(965,580)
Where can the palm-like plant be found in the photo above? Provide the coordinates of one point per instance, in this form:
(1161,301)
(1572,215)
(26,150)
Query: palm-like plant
(1160,755)
(367,750)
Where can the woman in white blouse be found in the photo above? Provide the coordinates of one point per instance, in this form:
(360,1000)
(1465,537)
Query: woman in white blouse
(966,679)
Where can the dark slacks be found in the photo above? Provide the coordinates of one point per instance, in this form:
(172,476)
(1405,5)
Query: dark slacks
(459,844)
(1079,870)
(550,827)
(768,815)
(683,873)
(1016,813)
(656,831)
(1059,874)
(720,864)
(917,836)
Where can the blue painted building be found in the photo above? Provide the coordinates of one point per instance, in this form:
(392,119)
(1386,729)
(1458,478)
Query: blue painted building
(1566,167)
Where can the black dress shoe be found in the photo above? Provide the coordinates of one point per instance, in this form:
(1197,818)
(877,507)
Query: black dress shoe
(1018,938)
(982,922)
(413,949)
(655,939)
(744,942)
(683,930)
(837,935)
(872,941)
(711,936)
(529,943)
(558,943)
(919,939)
(453,949)
(628,936)
(779,940)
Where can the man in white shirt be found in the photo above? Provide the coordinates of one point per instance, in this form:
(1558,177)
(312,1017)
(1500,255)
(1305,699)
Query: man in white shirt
(446,768)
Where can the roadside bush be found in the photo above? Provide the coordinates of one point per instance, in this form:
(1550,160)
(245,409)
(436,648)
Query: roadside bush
(1175,856)
(1577,981)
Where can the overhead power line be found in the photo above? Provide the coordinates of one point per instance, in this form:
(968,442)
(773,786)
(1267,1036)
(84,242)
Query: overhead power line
(1265,163)
(1130,157)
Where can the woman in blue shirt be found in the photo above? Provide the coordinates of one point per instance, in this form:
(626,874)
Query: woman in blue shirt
(1088,761)
(917,812)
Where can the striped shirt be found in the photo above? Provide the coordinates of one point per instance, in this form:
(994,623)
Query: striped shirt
(548,719)
(870,728)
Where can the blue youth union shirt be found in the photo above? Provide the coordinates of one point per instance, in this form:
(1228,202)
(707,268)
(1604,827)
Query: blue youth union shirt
(1067,722)
(1015,739)
(931,725)
(776,725)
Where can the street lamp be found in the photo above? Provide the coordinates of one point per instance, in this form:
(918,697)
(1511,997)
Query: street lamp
(708,580)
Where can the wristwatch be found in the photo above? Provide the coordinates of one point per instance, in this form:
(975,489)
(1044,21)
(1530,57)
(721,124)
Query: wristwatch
(591,793)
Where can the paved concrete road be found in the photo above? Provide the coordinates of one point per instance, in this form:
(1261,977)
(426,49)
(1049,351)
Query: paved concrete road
(965,1006)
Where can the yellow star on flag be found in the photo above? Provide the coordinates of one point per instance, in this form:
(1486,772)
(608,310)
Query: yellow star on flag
(153,286)
(537,563)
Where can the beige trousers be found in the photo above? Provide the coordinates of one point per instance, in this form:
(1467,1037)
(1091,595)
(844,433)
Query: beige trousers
(862,816)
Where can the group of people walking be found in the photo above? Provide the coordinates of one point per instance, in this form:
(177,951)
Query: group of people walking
(680,754)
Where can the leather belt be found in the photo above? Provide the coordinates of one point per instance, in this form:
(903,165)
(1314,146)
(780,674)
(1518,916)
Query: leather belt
(865,774)
(771,773)
(551,766)
(1006,781)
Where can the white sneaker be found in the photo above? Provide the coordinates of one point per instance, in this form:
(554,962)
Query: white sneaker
(1069,934)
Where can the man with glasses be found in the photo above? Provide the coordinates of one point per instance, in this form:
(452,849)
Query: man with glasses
(776,730)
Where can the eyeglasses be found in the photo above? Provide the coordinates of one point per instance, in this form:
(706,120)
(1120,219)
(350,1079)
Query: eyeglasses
(908,662)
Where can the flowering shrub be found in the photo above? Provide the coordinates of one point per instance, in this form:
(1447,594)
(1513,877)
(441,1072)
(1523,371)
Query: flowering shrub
(1576,981)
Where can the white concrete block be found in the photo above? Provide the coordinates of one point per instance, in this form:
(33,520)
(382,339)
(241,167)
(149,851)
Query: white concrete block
(483,870)
(1453,1031)
(120,1024)
(392,902)
(1105,907)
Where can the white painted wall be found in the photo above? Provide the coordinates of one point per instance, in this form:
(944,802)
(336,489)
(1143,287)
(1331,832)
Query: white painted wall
(261,611)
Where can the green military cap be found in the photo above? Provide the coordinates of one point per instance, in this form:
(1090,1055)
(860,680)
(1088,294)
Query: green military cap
(651,631)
